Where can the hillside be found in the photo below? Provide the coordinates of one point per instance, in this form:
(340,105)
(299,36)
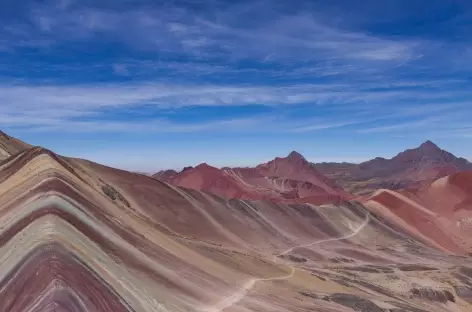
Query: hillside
(441,211)
(10,146)
(287,179)
(79,236)
(412,168)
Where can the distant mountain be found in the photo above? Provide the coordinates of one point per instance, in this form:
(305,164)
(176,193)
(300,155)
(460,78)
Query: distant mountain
(296,167)
(164,174)
(11,146)
(411,168)
(290,178)
(80,236)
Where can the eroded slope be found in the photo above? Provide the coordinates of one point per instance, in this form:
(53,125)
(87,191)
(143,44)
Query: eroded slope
(78,236)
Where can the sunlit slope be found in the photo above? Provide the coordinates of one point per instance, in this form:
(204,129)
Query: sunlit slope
(78,236)
(10,146)
(290,179)
(441,211)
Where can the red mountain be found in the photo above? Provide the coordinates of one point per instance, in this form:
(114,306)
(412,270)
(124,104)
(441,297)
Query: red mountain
(409,169)
(210,179)
(296,167)
(79,236)
(440,211)
(283,179)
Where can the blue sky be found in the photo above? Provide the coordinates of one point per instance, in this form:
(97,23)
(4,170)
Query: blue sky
(145,85)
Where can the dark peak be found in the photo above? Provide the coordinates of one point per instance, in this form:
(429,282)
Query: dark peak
(165,174)
(429,148)
(167,171)
(426,152)
(430,145)
(295,155)
(186,168)
(204,166)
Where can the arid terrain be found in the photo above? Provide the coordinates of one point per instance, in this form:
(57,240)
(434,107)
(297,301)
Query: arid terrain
(293,177)
(288,179)
(10,146)
(412,168)
(80,236)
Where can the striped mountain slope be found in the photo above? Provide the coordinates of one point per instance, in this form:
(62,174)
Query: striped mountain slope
(79,236)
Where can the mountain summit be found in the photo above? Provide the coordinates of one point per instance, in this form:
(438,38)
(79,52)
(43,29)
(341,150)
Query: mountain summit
(283,178)
(161,247)
(295,156)
(429,144)
(428,148)
(430,153)
(410,168)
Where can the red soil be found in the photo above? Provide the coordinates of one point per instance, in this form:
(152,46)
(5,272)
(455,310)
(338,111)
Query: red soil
(289,179)
(441,211)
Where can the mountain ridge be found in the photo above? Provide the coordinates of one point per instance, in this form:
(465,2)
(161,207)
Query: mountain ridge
(10,145)
(283,178)
(80,236)
(411,168)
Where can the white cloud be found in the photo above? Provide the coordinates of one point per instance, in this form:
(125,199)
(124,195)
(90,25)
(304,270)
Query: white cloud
(147,126)
(410,125)
(298,45)
(77,98)
(321,125)
(218,33)
(94,107)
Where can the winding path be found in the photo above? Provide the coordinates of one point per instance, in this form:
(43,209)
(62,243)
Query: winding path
(239,295)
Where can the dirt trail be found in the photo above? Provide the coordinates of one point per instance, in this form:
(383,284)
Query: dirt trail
(239,295)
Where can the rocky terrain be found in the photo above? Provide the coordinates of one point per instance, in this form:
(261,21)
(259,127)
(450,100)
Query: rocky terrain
(441,211)
(79,236)
(288,179)
(294,178)
(412,168)
(10,145)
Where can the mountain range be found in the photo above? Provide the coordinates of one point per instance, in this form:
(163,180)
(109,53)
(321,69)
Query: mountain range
(411,168)
(293,178)
(78,236)
(287,179)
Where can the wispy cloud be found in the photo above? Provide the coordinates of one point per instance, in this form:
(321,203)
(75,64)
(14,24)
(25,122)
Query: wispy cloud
(401,126)
(53,107)
(321,125)
(285,42)
(86,97)
(148,58)
(145,126)
(214,32)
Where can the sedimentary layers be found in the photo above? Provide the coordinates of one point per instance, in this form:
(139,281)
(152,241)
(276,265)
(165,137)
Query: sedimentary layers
(291,179)
(78,236)
(441,211)
(11,146)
